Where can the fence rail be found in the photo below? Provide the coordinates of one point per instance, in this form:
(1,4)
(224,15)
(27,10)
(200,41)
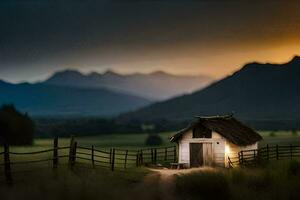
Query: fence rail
(256,156)
(115,158)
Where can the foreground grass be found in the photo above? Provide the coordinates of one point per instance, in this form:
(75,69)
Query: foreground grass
(276,180)
(81,183)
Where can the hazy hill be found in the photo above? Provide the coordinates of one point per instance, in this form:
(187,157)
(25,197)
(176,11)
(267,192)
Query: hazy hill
(41,99)
(256,92)
(156,86)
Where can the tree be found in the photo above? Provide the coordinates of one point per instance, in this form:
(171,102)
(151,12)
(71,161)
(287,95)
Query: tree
(15,128)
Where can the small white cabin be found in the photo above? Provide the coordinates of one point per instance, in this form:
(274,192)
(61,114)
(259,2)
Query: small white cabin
(211,140)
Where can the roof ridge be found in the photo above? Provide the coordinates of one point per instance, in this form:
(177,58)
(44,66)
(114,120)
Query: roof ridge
(227,126)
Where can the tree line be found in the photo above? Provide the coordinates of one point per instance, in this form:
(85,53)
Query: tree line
(64,127)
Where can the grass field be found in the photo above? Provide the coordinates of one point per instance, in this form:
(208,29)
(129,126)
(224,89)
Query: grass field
(105,142)
(38,181)
(278,180)
(279,137)
(78,184)
(136,141)
(122,141)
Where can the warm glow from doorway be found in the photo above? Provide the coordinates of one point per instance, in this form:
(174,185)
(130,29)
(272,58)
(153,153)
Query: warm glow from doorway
(227,150)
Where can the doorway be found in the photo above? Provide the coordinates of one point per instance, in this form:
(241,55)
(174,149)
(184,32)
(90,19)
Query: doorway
(200,154)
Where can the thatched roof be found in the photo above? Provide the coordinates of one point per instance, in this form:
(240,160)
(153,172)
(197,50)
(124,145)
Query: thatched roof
(227,126)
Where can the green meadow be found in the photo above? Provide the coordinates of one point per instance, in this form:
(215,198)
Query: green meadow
(275,180)
(136,141)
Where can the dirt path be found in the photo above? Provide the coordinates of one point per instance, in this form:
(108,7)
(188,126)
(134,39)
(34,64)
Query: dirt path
(163,180)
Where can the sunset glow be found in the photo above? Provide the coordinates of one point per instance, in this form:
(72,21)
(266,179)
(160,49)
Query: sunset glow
(187,37)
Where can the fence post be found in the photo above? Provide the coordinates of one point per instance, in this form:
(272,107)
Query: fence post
(112,159)
(74,154)
(277,152)
(110,155)
(125,161)
(142,158)
(55,152)
(242,157)
(268,152)
(7,169)
(152,159)
(137,159)
(155,155)
(71,150)
(291,151)
(175,154)
(166,153)
(93,161)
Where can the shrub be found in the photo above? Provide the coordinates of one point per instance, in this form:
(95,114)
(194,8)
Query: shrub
(153,140)
(15,128)
(272,134)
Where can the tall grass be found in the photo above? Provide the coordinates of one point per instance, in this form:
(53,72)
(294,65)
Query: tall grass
(277,180)
(81,183)
(204,185)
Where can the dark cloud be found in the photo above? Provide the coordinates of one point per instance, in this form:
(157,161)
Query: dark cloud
(47,34)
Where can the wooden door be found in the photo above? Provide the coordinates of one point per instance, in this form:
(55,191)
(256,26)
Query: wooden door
(207,154)
(196,154)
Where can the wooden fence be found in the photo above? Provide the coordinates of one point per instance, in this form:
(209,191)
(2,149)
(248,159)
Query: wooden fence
(254,157)
(112,159)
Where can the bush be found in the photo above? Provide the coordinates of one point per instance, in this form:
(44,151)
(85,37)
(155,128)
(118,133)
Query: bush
(15,128)
(153,140)
(272,134)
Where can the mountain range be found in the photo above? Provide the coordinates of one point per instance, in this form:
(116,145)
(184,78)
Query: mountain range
(255,92)
(155,86)
(71,93)
(47,100)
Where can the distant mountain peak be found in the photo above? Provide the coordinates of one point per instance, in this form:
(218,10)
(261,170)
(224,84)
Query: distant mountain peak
(160,73)
(251,66)
(68,72)
(157,85)
(110,72)
(65,77)
(93,74)
(257,66)
(295,59)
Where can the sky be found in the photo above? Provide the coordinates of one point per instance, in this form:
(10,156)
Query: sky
(211,37)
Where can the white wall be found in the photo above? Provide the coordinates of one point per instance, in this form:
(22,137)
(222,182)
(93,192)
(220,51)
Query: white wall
(218,147)
(221,148)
